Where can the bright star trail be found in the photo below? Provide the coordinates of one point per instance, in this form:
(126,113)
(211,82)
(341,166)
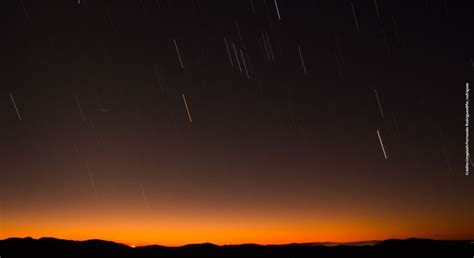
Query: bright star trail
(187,109)
(237,57)
(381,144)
(277,10)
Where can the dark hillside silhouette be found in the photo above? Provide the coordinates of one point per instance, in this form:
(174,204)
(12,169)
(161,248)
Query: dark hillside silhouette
(51,247)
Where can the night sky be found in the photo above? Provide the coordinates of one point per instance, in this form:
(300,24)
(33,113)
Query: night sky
(184,121)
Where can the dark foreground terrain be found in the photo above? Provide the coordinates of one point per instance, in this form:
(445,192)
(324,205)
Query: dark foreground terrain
(50,247)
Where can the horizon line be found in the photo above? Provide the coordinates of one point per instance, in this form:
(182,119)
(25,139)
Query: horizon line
(331,243)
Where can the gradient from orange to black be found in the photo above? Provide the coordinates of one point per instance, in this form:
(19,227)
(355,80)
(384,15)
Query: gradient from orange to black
(279,157)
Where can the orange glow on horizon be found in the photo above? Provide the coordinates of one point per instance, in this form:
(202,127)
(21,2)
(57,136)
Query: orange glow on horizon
(146,231)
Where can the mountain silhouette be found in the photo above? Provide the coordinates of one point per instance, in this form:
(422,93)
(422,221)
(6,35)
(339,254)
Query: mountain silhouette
(52,247)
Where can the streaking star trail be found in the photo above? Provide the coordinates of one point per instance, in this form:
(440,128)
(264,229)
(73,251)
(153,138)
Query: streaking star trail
(178,53)
(302,60)
(187,108)
(378,102)
(381,144)
(91,178)
(16,108)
